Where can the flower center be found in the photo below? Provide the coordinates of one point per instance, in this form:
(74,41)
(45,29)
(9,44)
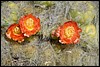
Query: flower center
(69,31)
(17,30)
(29,24)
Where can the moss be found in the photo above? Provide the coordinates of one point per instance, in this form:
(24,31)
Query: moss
(14,17)
(90,30)
(29,51)
(45,4)
(85,14)
(6,59)
(12,5)
(86,60)
(72,57)
(6,62)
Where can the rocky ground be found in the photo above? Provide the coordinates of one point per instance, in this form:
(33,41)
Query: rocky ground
(41,49)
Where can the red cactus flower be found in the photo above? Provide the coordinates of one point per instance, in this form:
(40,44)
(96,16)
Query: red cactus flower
(14,32)
(29,25)
(68,33)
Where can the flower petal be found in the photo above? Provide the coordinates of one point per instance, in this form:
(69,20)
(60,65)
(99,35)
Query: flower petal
(68,33)
(13,32)
(29,25)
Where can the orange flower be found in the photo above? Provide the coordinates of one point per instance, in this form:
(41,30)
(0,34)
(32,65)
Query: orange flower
(68,33)
(29,25)
(14,32)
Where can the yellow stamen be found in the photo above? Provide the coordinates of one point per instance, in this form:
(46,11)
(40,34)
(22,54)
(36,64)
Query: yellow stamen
(29,23)
(69,31)
(17,30)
